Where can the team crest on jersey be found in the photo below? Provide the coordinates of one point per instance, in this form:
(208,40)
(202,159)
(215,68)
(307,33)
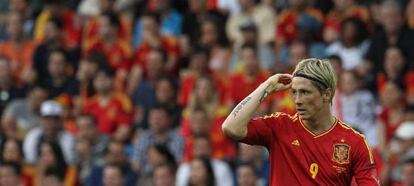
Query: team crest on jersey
(341,153)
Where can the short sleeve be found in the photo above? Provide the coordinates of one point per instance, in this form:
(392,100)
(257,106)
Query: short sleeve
(262,131)
(364,169)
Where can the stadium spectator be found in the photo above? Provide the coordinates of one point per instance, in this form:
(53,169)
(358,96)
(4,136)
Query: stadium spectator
(201,124)
(52,41)
(401,150)
(164,175)
(144,95)
(12,151)
(112,110)
(341,11)
(49,130)
(257,158)
(250,36)
(8,87)
(159,132)
(88,68)
(407,173)
(24,10)
(199,67)
(409,112)
(22,115)
(198,11)
(249,76)
(90,146)
(247,175)
(19,49)
(392,115)
(396,68)
(298,21)
(152,38)
(206,95)
(10,174)
(92,24)
(202,147)
(71,28)
(355,106)
(114,155)
(394,33)
(166,94)
(171,20)
(201,173)
(351,45)
(51,166)
(114,175)
(117,51)
(263,16)
(157,155)
(59,80)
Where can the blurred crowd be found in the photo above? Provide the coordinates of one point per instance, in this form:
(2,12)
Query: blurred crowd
(133,92)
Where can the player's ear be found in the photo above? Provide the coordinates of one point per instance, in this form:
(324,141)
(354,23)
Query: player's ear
(327,95)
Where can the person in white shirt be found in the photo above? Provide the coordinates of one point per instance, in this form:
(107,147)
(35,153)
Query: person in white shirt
(202,148)
(50,130)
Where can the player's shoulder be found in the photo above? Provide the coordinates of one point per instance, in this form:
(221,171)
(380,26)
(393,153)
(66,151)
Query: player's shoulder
(350,132)
(281,115)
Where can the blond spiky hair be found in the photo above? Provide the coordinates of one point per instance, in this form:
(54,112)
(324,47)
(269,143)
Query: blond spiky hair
(319,71)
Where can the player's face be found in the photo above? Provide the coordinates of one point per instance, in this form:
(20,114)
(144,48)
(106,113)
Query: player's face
(308,99)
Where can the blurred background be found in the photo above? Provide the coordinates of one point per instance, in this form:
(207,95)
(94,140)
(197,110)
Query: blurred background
(134,92)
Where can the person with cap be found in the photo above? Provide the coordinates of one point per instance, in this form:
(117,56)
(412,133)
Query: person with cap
(311,147)
(50,130)
(401,149)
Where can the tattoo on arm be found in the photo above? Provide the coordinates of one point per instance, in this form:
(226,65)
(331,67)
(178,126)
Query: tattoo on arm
(240,106)
(263,96)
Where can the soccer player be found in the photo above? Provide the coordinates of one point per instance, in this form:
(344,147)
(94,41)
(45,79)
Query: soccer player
(311,147)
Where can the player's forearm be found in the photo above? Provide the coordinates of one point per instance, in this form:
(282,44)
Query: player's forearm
(235,125)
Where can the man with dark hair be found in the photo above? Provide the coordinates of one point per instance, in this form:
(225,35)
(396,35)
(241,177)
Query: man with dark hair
(114,174)
(90,145)
(164,175)
(159,132)
(113,111)
(58,81)
(114,155)
(108,41)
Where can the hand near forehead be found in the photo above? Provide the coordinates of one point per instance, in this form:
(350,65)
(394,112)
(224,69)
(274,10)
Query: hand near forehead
(278,82)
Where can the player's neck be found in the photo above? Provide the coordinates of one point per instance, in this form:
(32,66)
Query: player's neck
(322,122)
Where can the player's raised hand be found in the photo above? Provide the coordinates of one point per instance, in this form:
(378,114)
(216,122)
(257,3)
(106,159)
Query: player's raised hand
(278,82)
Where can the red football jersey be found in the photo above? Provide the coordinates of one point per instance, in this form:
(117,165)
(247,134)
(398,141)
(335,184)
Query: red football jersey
(299,157)
(118,111)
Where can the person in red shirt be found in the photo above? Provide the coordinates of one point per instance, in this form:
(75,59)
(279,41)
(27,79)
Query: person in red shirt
(18,48)
(311,147)
(243,82)
(112,110)
(152,38)
(117,51)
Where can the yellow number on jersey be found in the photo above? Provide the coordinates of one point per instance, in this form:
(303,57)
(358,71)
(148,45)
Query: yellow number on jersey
(313,169)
